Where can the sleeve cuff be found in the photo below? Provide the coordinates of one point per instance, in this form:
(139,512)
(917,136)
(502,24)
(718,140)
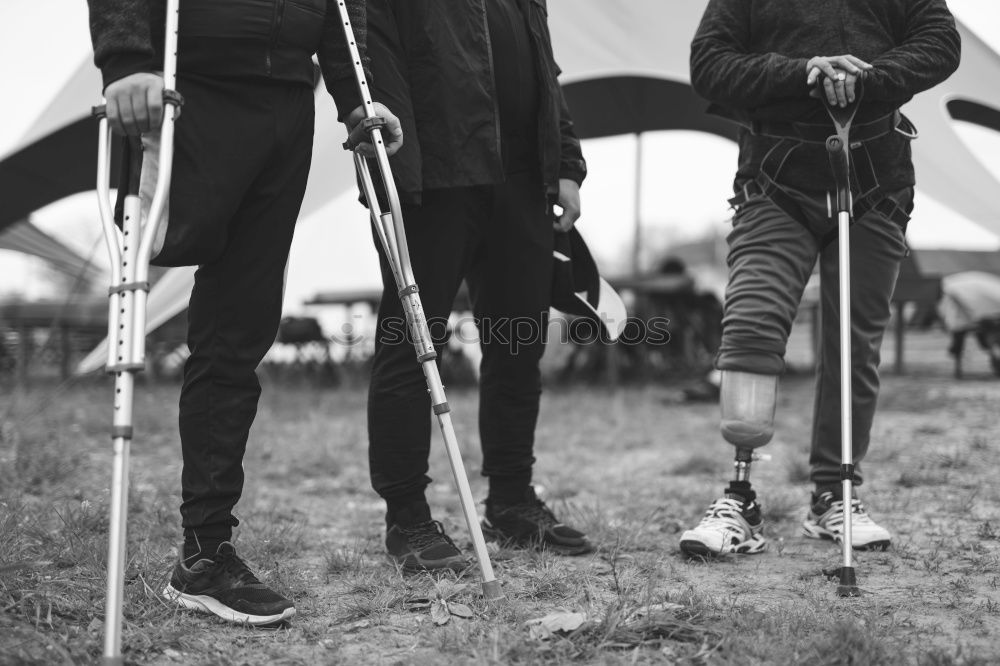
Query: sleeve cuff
(795,84)
(125,64)
(577,172)
(345,95)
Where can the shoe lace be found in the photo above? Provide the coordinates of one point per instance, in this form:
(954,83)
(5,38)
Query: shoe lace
(723,513)
(425,535)
(537,512)
(230,562)
(859,515)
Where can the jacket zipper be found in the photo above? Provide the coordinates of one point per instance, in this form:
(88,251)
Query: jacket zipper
(279,12)
(493,82)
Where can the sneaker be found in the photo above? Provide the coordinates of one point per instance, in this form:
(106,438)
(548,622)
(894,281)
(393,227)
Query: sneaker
(731,525)
(225,586)
(826,521)
(532,524)
(423,547)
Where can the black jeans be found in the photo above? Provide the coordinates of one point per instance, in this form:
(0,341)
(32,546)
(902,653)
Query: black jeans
(499,238)
(242,155)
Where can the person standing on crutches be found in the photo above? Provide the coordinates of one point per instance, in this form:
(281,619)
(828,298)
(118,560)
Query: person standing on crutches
(490,148)
(241,156)
(755,61)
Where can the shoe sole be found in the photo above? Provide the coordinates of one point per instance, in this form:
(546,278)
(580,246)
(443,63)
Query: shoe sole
(206,604)
(440,566)
(698,549)
(495,535)
(817,532)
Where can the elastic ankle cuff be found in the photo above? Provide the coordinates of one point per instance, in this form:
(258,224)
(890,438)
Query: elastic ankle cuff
(407,512)
(506,490)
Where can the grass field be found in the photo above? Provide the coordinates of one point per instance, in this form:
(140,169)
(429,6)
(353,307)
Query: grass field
(633,467)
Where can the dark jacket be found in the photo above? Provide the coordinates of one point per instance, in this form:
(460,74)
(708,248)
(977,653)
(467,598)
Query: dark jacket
(269,40)
(749,59)
(433,66)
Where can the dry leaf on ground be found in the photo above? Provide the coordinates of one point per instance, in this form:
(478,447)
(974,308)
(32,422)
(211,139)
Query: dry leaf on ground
(559,622)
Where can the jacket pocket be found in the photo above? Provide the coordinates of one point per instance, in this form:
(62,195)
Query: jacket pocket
(302,24)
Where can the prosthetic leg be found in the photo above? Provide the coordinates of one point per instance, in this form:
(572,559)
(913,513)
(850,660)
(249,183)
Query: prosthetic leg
(130,250)
(392,235)
(747,401)
(838,147)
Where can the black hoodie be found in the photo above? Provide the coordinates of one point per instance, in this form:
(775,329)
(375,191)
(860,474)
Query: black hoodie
(749,59)
(266,40)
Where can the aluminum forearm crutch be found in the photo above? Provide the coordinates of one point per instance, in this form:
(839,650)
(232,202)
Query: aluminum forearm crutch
(130,251)
(838,148)
(392,235)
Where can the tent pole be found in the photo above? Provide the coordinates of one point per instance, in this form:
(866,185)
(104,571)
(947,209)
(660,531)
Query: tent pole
(637,232)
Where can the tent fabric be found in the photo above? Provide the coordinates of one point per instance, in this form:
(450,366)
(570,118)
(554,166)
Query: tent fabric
(25,237)
(634,104)
(59,164)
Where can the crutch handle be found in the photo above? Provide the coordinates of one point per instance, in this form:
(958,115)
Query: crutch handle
(838,145)
(171,97)
(364,129)
(840,164)
(842,116)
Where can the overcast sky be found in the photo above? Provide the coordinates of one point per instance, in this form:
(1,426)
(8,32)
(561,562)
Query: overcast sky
(680,197)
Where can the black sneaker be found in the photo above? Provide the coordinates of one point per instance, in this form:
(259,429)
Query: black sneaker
(225,586)
(423,547)
(532,524)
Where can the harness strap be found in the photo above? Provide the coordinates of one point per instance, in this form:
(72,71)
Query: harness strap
(818,133)
(764,186)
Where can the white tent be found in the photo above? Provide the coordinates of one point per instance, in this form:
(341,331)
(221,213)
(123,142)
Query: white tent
(625,70)
(25,237)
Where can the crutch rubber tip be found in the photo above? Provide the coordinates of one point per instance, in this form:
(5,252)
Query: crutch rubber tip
(492,591)
(113,661)
(848,586)
(846,591)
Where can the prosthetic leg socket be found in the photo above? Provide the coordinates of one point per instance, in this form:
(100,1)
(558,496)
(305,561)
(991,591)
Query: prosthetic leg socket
(747,402)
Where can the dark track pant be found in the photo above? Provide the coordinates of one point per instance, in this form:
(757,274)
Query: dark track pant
(771,256)
(242,155)
(500,239)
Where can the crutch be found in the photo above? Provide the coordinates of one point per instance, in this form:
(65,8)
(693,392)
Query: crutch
(391,233)
(130,251)
(838,147)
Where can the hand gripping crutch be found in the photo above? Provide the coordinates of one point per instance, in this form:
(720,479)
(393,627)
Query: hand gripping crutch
(130,251)
(838,148)
(392,235)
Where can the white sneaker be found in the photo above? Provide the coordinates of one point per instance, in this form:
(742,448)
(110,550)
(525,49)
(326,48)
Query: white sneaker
(826,521)
(730,526)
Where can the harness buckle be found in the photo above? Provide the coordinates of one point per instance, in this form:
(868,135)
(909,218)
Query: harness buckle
(903,125)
